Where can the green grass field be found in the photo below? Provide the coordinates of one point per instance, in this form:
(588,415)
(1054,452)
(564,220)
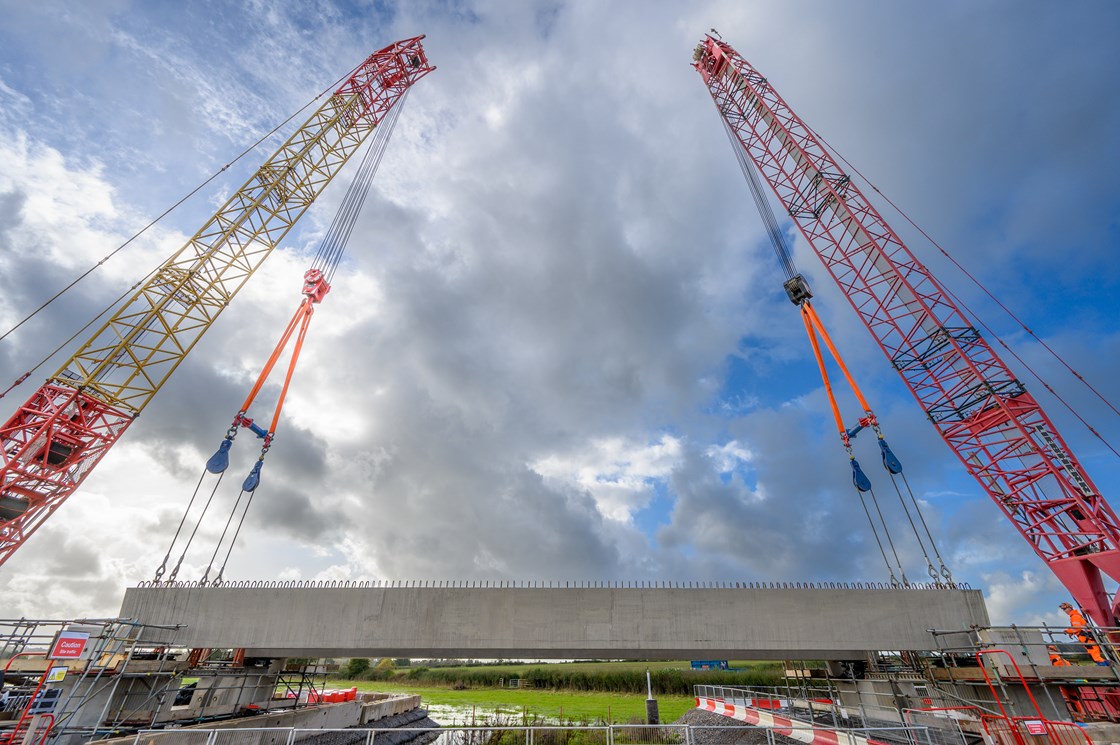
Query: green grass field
(597,667)
(517,705)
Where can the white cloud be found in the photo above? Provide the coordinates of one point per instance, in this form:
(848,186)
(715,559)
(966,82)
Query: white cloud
(558,348)
(729,456)
(1014,599)
(617,474)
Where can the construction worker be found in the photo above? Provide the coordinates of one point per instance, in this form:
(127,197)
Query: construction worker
(1078,629)
(1056,658)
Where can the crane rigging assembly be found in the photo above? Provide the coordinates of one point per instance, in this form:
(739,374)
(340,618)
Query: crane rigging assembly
(989,420)
(54,440)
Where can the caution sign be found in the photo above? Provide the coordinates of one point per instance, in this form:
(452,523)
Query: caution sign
(57,674)
(68,645)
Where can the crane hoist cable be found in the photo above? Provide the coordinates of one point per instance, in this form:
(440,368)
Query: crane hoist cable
(797,289)
(988,330)
(316,285)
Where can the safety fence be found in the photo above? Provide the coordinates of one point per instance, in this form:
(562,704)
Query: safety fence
(809,703)
(617,734)
(1028,731)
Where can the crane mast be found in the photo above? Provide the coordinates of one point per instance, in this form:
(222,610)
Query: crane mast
(982,411)
(56,438)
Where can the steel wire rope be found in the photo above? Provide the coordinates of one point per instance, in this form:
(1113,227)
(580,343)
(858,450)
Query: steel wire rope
(945,573)
(161,216)
(785,257)
(1033,373)
(981,323)
(174,539)
(930,570)
(327,257)
(217,546)
(987,329)
(334,243)
(887,533)
(996,300)
(19,381)
(777,237)
(198,523)
(222,570)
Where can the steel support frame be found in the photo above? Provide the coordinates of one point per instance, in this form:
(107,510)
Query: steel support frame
(122,366)
(998,430)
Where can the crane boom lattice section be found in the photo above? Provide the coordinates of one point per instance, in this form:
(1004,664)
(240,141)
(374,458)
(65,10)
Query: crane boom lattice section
(982,411)
(64,429)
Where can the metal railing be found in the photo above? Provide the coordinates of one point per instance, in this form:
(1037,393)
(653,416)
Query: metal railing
(1036,645)
(819,711)
(617,734)
(816,704)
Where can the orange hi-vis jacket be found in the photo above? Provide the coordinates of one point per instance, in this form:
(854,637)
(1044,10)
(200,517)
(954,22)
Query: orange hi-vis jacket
(1076,622)
(1077,629)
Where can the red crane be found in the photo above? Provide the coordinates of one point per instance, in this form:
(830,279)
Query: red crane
(981,410)
(52,442)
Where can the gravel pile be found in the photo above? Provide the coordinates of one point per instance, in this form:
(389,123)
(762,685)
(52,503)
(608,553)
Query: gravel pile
(730,732)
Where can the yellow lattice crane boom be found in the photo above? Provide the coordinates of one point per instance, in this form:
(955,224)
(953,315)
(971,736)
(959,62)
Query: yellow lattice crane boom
(53,441)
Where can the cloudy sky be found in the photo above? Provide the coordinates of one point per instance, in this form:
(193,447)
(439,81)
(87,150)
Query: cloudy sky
(559,347)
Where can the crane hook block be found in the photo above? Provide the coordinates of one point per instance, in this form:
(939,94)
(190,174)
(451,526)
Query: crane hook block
(219,461)
(859,478)
(253,480)
(890,462)
(798,290)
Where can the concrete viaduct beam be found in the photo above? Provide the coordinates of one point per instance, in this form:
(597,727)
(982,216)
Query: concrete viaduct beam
(556,622)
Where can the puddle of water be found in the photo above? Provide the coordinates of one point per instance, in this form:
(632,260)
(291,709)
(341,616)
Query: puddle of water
(450,715)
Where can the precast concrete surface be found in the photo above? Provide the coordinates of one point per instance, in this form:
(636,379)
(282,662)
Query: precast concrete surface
(554,622)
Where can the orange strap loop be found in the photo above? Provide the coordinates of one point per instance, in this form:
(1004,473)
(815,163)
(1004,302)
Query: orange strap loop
(309,310)
(814,326)
(824,371)
(303,310)
(812,315)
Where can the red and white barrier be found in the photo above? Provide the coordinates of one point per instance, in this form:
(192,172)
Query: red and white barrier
(801,731)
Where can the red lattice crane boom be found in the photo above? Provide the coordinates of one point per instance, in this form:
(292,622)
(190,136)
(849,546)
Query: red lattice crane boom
(982,411)
(51,443)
